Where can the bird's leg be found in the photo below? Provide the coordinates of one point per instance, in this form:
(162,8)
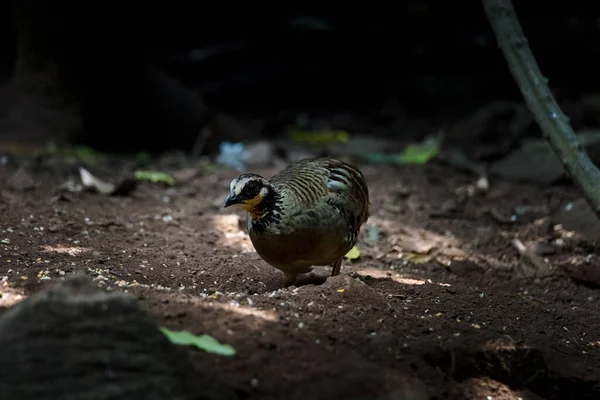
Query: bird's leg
(289,279)
(337,267)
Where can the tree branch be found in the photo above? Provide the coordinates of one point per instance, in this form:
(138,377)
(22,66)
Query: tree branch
(534,88)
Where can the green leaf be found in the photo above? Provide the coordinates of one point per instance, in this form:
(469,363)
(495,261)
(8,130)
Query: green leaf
(203,342)
(353,254)
(417,258)
(419,153)
(155,176)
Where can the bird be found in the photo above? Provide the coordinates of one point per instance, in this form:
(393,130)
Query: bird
(308,214)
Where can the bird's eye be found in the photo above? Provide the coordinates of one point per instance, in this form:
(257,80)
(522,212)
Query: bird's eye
(252,189)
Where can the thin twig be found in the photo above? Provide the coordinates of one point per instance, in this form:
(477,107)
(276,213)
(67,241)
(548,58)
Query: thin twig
(534,88)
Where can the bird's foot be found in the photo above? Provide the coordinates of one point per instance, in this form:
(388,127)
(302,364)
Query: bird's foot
(289,279)
(337,267)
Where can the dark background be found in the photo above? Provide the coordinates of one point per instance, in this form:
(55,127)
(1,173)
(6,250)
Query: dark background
(437,59)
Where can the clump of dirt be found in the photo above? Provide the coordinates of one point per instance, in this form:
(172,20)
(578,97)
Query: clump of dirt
(440,305)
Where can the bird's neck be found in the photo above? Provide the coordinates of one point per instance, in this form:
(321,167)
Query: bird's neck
(267,212)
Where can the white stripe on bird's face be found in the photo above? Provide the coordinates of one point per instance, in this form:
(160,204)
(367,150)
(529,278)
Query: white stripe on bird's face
(250,189)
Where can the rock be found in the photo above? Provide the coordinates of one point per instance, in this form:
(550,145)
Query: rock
(536,162)
(586,274)
(76,341)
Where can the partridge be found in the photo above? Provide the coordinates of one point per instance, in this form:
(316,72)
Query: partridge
(308,214)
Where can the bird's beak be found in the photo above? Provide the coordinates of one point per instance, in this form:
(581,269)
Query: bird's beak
(231,200)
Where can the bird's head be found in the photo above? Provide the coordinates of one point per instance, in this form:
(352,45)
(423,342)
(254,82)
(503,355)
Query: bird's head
(248,191)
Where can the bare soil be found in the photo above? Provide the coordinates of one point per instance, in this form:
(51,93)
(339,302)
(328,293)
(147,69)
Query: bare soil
(439,305)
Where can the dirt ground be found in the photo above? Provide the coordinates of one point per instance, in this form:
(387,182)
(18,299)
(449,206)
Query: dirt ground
(439,305)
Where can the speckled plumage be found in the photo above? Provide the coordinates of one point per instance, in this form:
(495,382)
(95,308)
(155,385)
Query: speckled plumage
(310,213)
